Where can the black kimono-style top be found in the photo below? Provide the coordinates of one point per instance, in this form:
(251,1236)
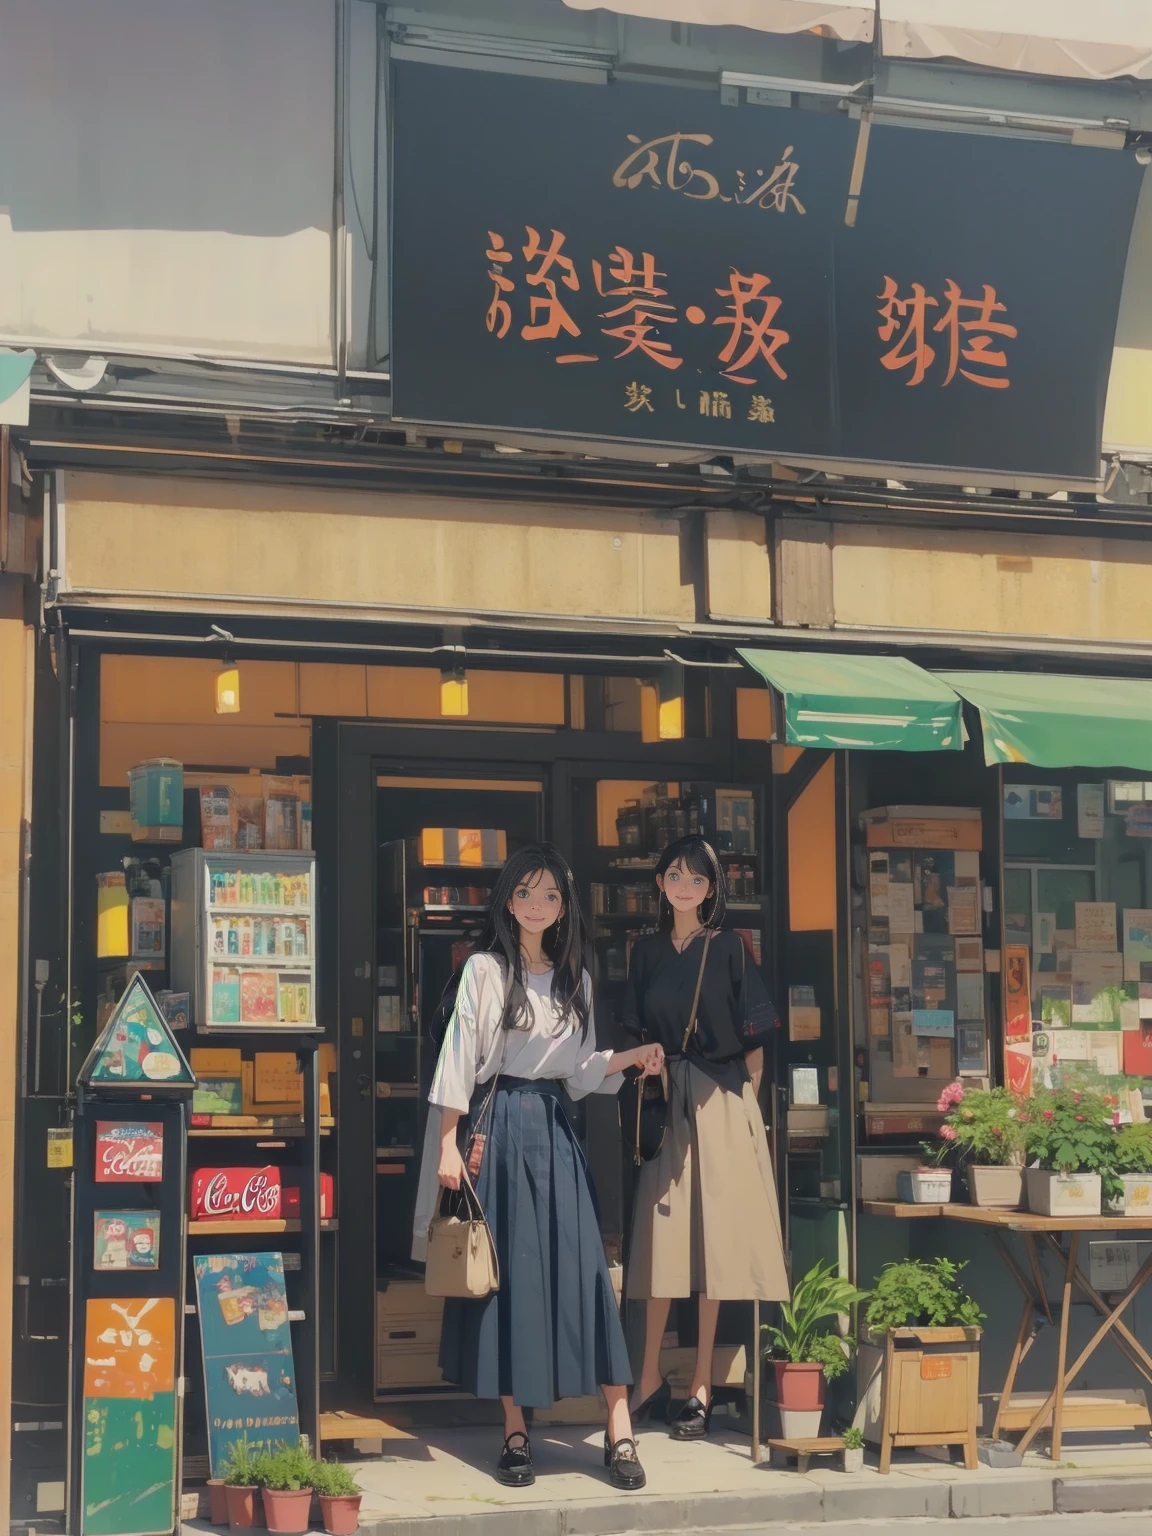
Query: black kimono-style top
(735,1014)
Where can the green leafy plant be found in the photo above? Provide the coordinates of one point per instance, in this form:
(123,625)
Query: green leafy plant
(288,1469)
(821,1295)
(853,1438)
(1131,1152)
(333,1481)
(918,1293)
(982,1126)
(239,1469)
(1069,1130)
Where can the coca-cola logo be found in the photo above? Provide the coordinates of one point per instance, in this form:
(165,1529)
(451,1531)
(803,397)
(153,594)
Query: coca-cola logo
(129,1154)
(238,1193)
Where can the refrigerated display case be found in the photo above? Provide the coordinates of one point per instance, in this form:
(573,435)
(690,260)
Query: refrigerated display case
(244,939)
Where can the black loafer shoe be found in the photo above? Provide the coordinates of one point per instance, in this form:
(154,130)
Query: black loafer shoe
(693,1421)
(624,1469)
(515,1469)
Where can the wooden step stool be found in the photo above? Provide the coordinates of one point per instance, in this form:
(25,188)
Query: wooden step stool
(781,1451)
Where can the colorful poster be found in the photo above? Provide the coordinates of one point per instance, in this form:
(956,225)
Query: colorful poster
(1033,802)
(249,1376)
(129,1152)
(1097,987)
(1137,934)
(128,1476)
(127,1240)
(1017,993)
(940,1022)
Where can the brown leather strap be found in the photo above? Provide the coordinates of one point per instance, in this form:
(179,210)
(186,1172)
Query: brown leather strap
(688,1033)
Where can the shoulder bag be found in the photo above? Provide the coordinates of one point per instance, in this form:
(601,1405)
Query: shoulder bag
(461,1257)
(642,1103)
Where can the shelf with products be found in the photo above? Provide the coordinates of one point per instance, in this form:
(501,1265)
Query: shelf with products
(287,1225)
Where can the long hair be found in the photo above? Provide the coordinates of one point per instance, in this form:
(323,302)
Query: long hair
(700,857)
(565,943)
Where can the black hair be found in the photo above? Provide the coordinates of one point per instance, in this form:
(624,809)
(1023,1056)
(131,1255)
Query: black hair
(566,944)
(698,855)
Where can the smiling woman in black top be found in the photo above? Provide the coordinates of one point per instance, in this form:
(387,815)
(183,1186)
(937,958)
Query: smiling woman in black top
(707,1220)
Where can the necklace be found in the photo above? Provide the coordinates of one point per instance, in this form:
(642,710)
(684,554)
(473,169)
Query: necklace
(683,944)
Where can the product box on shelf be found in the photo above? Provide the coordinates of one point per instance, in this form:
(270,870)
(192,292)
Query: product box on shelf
(147,916)
(156,801)
(290,1197)
(236,1194)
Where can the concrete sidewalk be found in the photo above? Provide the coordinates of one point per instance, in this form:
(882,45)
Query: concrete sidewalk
(442,1485)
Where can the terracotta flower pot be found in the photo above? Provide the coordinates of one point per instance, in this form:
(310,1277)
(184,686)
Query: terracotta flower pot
(341,1512)
(287,1509)
(241,1507)
(799,1387)
(217,1501)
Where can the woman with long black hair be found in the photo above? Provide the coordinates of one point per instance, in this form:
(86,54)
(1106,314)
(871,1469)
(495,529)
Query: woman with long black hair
(706,1222)
(523,1015)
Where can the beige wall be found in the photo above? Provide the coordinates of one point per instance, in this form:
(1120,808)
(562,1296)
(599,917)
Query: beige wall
(365,552)
(1090,589)
(16,653)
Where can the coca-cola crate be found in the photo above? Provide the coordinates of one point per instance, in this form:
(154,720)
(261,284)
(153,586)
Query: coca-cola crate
(290,1197)
(236,1194)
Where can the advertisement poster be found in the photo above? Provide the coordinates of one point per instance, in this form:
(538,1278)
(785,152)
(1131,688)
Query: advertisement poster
(129,1152)
(127,1240)
(1096,926)
(129,1422)
(136,1045)
(1017,1019)
(249,1377)
(1090,810)
(1033,802)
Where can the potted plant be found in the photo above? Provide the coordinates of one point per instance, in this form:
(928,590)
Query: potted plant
(983,1132)
(217,1501)
(1127,1180)
(918,1366)
(239,1472)
(340,1497)
(285,1478)
(806,1353)
(853,1449)
(1069,1141)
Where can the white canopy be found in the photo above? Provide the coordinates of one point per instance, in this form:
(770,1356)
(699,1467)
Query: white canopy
(1075,39)
(852,23)
(1072,38)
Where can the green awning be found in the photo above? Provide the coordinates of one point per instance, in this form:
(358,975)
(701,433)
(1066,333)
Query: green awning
(1060,722)
(883,703)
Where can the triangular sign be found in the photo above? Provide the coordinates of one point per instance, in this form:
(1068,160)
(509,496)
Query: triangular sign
(136,1048)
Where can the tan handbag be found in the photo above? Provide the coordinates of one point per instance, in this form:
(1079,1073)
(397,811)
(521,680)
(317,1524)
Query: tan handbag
(461,1253)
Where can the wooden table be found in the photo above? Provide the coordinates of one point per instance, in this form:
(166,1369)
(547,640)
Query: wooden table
(1060,1235)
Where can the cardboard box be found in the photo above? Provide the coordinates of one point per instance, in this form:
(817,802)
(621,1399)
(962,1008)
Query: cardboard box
(156,801)
(930,826)
(876,1174)
(148,915)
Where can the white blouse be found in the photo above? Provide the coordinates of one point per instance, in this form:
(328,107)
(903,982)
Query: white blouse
(475,1049)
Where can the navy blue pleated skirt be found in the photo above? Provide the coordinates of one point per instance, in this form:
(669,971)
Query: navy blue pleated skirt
(553,1328)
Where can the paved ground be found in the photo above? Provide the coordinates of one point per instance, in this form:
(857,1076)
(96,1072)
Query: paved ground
(442,1485)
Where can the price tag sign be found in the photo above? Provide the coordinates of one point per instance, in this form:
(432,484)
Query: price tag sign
(59,1146)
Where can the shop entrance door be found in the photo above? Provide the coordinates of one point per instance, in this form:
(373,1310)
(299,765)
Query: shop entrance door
(814,1070)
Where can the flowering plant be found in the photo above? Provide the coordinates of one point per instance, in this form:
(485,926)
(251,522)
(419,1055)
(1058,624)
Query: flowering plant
(1069,1130)
(983,1125)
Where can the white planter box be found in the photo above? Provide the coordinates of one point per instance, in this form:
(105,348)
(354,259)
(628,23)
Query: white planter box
(1137,1198)
(801,1423)
(1063,1194)
(932,1186)
(854,1459)
(1001,1188)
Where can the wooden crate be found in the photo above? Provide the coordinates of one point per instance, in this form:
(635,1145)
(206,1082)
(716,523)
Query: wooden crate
(408,1323)
(930,1390)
